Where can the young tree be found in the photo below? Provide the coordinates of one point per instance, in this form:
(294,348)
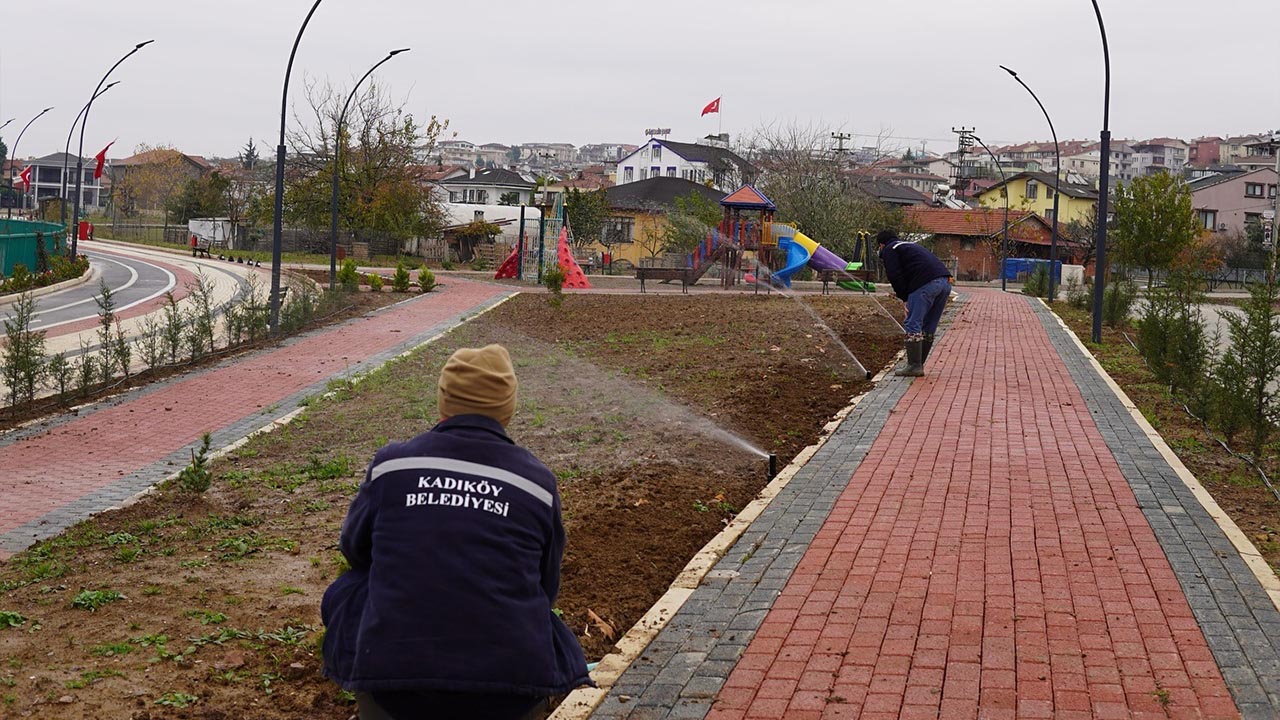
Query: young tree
(201,198)
(689,221)
(587,214)
(148,185)
(1154,222)
(381,183)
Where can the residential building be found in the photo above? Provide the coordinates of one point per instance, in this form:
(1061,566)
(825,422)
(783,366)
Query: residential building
(715,166)
(46,180)
(1205,151)
(452,152)
(1160,155)
(969,240)
(1228,203)
(488,186)
(1088,163)
(604,153)
(1034,191)
(637,222)
(548,155)
(883,187)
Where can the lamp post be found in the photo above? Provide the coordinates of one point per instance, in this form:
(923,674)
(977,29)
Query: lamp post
(1004,236)
(66,153)
(1057,184)
(1100,242)
(337,156)
(277,229)
(23,196)
(6,122)
(75,216)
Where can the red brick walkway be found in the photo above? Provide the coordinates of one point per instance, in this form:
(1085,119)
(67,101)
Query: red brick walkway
(45,472)
(987,559)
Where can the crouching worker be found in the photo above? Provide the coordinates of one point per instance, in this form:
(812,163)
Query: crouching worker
(920,280)
(454,541)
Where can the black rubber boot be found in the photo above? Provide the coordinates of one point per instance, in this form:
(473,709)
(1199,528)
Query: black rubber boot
(925,347)
(915,361)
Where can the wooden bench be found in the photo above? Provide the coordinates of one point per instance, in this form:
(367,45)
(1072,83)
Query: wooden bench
(201,247)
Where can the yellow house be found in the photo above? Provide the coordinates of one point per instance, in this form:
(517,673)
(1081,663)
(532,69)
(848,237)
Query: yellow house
(1033,192)
(637,222)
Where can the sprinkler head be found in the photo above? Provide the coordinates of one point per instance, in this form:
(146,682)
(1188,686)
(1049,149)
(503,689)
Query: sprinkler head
(773,466)
(870,374)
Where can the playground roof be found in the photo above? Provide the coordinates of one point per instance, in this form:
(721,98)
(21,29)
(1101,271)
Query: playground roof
(748,197)
(656,194)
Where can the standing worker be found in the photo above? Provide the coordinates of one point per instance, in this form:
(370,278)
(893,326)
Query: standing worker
(920,280)
(454,541)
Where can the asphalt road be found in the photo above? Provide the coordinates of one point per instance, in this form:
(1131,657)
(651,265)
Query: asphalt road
(133,280)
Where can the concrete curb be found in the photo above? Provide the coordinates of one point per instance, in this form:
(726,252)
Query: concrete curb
(1248,552)
(50,289)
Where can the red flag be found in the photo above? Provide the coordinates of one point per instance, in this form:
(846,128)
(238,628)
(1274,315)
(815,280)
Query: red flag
(102,159)
(25,177)
(712,107)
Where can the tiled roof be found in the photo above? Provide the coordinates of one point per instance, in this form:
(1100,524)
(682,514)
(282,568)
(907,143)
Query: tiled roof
(491,176)
(1048,179)
(979,222)
(656,193)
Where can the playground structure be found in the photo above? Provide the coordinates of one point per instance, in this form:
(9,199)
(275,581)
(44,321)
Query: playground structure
(748,227)
(19,240)
(574,278)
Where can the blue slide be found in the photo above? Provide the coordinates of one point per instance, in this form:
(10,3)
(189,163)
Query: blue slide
(797,257)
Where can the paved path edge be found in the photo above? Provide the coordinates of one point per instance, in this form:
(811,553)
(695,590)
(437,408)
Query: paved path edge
(1248,551)
(582,702)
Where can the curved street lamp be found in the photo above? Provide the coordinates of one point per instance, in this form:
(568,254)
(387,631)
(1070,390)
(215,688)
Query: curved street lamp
(75,216)
(278,224)
(1057,183)
(23,196)
(66,153)
(1100,242)
(337,155)
(1004,237)
(6,122)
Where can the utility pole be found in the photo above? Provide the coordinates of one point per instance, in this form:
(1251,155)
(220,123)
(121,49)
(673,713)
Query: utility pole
(840,137)
(963,146)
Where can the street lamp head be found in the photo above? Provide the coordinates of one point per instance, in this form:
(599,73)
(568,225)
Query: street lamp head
(393,53)
(1009,71)
(141,45)
(46,110)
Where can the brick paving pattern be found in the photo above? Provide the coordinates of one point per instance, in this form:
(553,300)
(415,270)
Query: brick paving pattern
(58,474)
(988,558)
(1232,609)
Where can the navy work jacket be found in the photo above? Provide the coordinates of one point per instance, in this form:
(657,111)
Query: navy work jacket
(454,541)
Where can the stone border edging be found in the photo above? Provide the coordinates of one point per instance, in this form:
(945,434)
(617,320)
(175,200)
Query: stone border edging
(582,702)
(50,289)
(1245,547)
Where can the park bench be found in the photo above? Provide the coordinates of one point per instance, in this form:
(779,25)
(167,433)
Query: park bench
(201,247)
(664,275)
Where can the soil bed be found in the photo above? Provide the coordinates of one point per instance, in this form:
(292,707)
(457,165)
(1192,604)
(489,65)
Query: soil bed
(645,407)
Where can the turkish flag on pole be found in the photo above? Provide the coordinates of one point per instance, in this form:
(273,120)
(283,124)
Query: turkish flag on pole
(25,177)
(102,159)
(712,107)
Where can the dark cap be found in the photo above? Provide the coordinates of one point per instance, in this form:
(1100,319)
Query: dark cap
(885,236)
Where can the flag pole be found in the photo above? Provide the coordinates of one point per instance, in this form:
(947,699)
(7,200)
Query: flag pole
(720,117)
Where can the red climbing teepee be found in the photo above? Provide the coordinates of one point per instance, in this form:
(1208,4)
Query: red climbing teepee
(573,275)
(510,267)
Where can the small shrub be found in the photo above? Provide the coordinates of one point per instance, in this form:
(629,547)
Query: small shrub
(1118,301)
(374,281)
(1037,283)
(22,357)
(10,619)
(349,276)
(400,281)
(1079,296)
(197,477)
(446,265)
(553,279)
(426,280)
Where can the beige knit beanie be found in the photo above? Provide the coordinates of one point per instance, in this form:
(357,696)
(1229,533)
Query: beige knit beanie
(478,381)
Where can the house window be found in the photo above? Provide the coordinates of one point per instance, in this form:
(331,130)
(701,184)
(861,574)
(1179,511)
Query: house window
(1253,190)
(1208,219)
(1033,189)
(619,230)
(968,244)
(702,176)
(655,171)
(671,171)
(454,197)
(686,174)
(657,152)
(628,174)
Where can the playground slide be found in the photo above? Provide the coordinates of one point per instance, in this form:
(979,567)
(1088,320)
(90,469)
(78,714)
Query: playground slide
(802,250)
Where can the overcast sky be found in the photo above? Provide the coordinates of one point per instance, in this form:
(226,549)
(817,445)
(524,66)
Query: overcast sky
(583,71)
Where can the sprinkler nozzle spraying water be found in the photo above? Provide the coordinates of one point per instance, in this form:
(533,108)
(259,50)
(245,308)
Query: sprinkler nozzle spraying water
(773,466)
